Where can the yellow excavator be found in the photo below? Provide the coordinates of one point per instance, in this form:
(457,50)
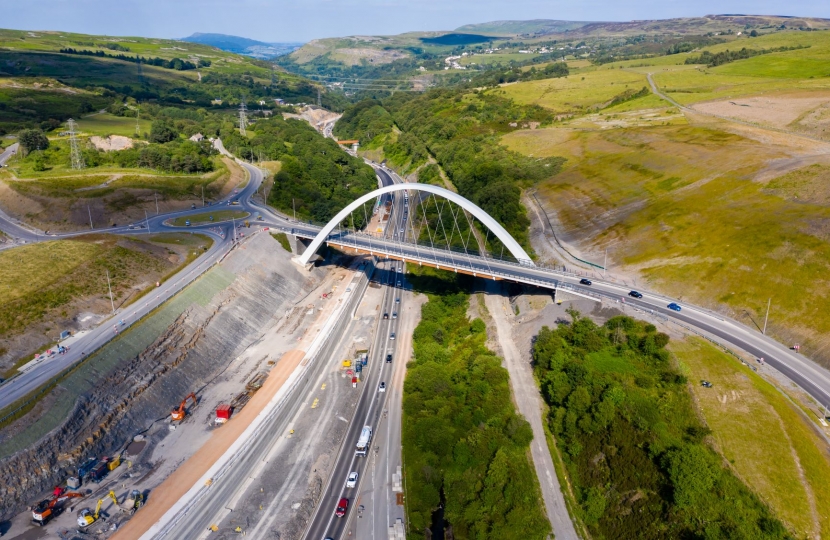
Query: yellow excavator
(86,517)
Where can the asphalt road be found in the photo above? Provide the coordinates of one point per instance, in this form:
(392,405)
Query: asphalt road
(80,347)
(324,523)
(813,378)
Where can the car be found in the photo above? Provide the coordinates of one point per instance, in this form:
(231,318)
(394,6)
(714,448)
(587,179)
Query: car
(352,480)
(585,281)
(706,384)
(635,294)
(187,223)
(193,205)
(674,307)
(265,229)
(401,231)
(392,335)
(399,283)
(394,314)
(397,300)
(388,358)
(342,506)
(382,387)
(385,315)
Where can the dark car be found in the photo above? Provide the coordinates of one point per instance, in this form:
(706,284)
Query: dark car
(674,307)
(342,506)
(388,358)
(635,294)
(585,281)
(385,315)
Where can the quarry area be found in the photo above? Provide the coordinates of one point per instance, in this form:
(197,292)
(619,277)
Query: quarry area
(111,419)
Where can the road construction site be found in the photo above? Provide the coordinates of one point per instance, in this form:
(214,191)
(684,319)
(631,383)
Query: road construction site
(218,339)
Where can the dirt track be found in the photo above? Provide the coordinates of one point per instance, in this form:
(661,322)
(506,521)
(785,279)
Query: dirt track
(178,483)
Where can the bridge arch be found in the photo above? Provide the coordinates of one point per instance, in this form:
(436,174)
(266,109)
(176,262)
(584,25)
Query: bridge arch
(509,242)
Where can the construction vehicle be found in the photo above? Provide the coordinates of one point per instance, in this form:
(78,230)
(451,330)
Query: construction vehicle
(86,517)
(45,510)
(178,415)
(133,502)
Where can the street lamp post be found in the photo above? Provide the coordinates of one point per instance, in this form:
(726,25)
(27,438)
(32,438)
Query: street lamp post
(112,302)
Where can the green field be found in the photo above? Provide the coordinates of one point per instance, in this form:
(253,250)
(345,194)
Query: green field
(218,216)
(107,124)
(768,442)
(496,58)
(680,209)
(577,92)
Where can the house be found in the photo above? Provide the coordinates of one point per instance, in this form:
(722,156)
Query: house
(197,138)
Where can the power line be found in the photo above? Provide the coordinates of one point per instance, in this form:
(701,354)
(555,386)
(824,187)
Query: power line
(75,150)
(243,118)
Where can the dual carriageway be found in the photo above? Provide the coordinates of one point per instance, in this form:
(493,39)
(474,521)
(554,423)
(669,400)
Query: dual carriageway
(371,409)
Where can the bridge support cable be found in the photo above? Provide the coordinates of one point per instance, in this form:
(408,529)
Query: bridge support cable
(412,229)
(366,217)
(444,230)
(484,247)
(334,226)
(461,237)
(429,234)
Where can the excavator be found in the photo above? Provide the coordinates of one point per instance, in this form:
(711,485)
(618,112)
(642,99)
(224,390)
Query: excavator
(45,510)
(178,415)
(86,517)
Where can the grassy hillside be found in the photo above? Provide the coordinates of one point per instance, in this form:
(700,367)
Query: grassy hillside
(768,442)
(49,287)
(723,214)
(38,69)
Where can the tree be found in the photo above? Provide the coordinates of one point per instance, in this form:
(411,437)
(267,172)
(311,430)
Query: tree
(163,132)
(32,139)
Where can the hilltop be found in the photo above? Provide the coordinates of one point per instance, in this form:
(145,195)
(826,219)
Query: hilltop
(429,55)
(243,45)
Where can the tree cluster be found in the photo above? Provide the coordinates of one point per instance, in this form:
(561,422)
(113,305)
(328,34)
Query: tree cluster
(724,57)
(633,447)
(462,134)
(317,178)
(175,63)
(464,445)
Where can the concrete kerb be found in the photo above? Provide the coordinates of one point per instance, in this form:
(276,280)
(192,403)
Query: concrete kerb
(161,528)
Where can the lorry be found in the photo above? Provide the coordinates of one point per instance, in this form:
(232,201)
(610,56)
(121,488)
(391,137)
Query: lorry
(363,441)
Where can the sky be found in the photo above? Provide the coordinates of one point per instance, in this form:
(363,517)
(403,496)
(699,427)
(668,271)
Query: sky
(304,20)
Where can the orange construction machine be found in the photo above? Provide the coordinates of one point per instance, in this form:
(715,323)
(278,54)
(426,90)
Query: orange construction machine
(45,510)
(178,414)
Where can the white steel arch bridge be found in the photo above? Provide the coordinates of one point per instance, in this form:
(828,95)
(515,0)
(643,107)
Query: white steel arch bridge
(325,234)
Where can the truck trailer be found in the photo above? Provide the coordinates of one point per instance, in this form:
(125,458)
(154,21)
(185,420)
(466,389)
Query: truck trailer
(363,442)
